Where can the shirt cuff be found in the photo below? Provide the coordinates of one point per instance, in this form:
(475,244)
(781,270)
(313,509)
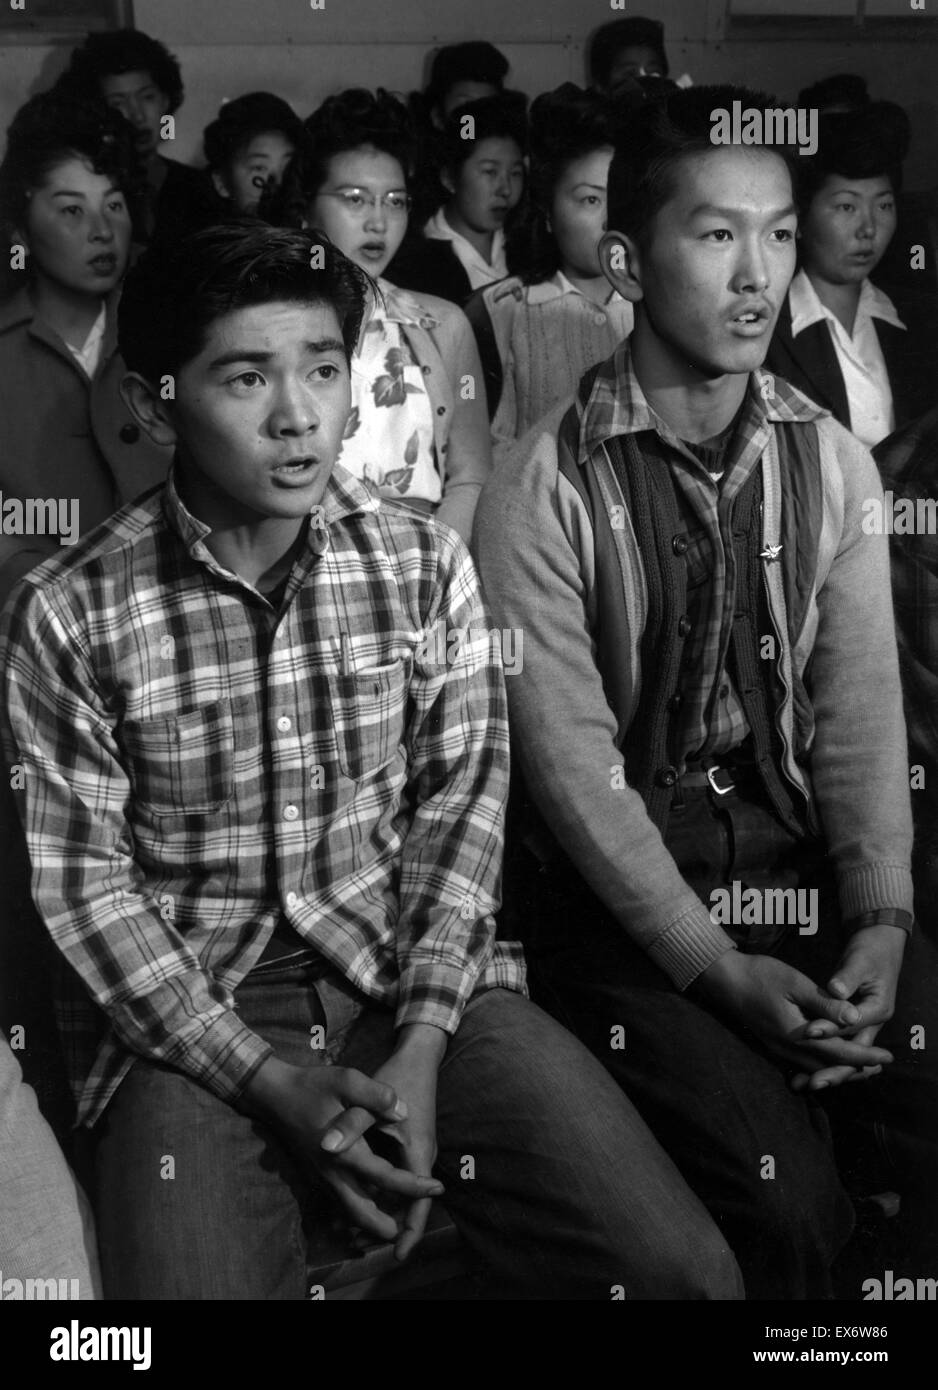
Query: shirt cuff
(436,992)
(882,917)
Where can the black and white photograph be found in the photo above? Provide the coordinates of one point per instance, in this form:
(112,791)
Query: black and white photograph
(469,670)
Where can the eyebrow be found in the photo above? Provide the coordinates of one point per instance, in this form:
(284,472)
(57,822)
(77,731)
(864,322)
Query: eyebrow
(370,188)
(704,209)
(856,193)
(314,347)
(75,193)
(585,183)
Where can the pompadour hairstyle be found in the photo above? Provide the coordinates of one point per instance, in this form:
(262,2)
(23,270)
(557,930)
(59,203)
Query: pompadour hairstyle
(52,128)
(657,136)
(868,143)
(178,288)
(565,124)
(354,118)
(119,51)
(499,117)
(243,118)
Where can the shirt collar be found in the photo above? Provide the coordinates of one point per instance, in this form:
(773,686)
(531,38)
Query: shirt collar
(557,286)
(807,309)
(616,404)
(20,309)
(345,496)
(439,229)
(402,306)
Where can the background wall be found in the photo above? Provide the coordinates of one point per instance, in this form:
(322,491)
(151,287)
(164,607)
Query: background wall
(231,46)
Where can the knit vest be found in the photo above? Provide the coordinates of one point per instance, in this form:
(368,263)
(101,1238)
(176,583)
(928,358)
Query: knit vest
(649,747)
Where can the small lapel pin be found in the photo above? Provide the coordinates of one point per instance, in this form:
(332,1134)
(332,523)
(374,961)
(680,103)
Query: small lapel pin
(771,552)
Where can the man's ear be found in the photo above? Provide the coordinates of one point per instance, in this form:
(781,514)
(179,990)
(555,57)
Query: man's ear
(221,188)
(148,408)
(620,259)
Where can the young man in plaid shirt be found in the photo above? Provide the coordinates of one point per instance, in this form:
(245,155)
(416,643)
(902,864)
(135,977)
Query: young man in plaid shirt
(264,811)
(709,720)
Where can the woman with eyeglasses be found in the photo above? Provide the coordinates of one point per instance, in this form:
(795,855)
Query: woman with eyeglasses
(418,428)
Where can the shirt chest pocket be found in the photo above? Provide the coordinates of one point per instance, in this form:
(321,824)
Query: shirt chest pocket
(183,765)
(368,717)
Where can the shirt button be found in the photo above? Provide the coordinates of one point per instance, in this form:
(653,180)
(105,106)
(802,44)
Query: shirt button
(291,812)
(441,410)
(129,434)
(684,627)
(599,319)
(679,545)
(292,900)
(425,370)
(666,776)
(284,724)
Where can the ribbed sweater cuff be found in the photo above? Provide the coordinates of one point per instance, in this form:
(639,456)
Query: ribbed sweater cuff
(871,886)
(689,946)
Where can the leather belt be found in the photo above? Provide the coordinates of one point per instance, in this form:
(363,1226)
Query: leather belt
(721,775)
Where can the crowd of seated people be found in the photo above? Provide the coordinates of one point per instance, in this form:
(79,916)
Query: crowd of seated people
(457,362)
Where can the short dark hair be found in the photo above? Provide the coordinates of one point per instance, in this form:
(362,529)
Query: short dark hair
(500,117)
(120,51)
(843,89)
(609,39)
(657,136)
(868,143)
(179,288)
(52,128)
(354,118)
(465,62)
(565,125)
(240,120)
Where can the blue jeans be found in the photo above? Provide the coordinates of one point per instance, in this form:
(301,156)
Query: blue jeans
(719,1104)
(571,1196)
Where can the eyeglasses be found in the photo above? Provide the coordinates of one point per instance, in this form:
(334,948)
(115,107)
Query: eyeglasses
(356,200)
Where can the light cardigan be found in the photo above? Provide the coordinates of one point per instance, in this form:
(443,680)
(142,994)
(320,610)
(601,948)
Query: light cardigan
(547,336)
(443,346)
(539,549)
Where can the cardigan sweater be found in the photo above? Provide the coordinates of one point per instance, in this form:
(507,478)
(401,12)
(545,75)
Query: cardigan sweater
(545,336)
(561,563)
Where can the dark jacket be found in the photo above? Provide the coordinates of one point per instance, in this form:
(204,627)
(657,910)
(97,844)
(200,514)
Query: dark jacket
(809,362)
(428,266)
(63,436)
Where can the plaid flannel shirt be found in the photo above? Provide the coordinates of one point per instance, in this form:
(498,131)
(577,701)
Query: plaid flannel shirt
(196,764)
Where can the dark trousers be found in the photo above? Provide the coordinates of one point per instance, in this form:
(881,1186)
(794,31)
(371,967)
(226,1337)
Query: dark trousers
(759,1155)
(568,1194)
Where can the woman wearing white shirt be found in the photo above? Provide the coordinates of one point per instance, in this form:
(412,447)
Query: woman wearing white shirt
(462,247)
(542,328)
(866,356)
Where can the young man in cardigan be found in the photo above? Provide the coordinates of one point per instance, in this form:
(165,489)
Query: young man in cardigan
(709,717)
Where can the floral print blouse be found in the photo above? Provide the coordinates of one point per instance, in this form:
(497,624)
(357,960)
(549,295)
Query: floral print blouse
(389,436)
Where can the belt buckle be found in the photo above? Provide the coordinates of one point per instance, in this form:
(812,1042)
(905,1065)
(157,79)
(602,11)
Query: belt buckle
(712,772)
